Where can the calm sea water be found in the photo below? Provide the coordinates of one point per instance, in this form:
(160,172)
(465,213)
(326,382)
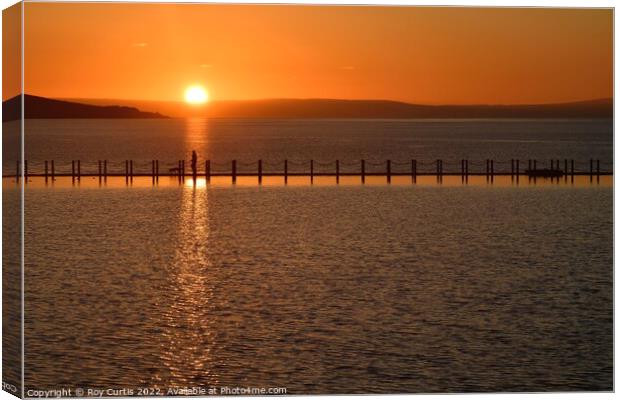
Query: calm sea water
(248,140)
(325,288)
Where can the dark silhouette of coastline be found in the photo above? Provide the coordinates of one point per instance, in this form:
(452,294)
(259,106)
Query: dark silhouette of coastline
(41,107)
(333,108)
(327,108)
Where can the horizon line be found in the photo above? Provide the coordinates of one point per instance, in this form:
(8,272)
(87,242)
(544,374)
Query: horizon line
(181,102)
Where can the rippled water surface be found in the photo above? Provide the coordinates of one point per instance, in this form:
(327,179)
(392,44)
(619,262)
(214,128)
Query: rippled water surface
(320,289)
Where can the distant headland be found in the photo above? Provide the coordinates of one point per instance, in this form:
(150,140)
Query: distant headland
(327,108)
(377,109)
(40,107)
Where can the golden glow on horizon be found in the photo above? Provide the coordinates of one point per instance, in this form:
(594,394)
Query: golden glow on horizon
(116,182)
(196,94)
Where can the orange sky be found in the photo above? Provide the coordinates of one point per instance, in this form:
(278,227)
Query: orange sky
(422,55)
(11,51)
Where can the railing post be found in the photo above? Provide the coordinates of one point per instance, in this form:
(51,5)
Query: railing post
(389,171)
(25,171)
(208,171)
(73,170)
(153,171)
(45,171)
(311,171)
(565,169)
(285,171)
(591,169)
(130,170)
(337,171)
(99,169)
(363,171)
(517,169)
(414,170)
(234,171)
(572,169)
(157,170)
(105,170)
(79,170)
(260,171)
(487,169)
(126,171)
(512,167)
(466,170)
(53,172)
(492,170)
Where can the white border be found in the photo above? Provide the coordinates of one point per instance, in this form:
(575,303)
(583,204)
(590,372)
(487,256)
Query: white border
(479,3)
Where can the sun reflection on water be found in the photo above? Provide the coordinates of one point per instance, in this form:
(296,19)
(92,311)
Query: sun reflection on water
(198,183)
(187,335)
(195,136)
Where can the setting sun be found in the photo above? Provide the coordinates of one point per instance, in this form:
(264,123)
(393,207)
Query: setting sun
(196,95)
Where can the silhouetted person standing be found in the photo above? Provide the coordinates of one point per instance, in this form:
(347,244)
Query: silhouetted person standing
(194,164)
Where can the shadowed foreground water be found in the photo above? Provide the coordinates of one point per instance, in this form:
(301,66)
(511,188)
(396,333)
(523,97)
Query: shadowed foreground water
(320,289)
